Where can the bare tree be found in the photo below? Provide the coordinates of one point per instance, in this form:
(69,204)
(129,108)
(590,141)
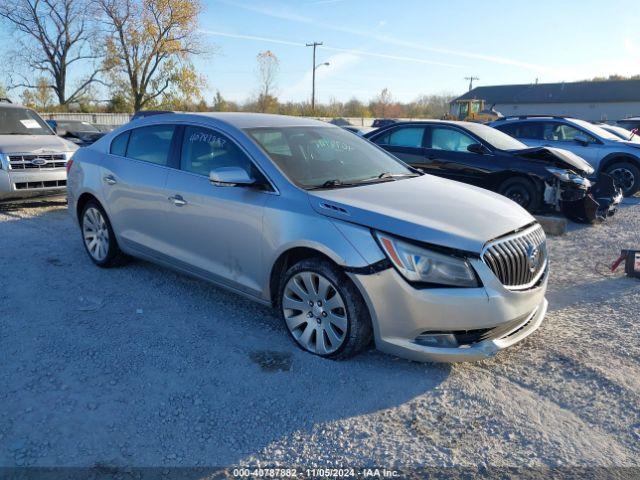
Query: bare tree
(268,67)
(52,36)
(151,45)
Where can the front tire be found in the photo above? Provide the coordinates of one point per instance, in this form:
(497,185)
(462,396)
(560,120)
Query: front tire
(522,191)
(626,176)
(98,238)
(323,310)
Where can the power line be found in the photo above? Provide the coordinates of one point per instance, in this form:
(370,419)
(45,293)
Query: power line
(471,79)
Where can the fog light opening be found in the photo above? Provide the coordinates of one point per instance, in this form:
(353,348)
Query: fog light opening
(438,340)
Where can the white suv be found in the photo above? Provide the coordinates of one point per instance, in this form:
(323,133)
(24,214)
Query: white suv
(32,157)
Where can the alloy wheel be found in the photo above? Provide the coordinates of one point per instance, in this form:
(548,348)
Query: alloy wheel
(518,194)
(315,313)
(624,178)
(95,233)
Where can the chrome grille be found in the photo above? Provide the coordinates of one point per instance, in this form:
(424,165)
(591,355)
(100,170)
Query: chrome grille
(518,259)
(25,162)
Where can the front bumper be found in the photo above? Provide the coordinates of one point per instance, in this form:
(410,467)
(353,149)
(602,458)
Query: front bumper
(600,201)
(401,313)
(31,184)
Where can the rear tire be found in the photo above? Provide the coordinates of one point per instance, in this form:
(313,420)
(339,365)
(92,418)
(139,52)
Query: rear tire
(522,191)
(323,310)
(98,238)
(626,176)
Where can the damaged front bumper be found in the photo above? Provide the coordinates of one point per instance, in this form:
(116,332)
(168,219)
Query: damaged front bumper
(585,202)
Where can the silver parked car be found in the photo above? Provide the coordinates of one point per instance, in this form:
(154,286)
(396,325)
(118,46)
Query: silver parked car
(32,157)
(605,151)
(344,240)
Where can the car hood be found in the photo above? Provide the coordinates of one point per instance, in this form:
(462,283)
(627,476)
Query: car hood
(35,144)
(630,144)
(557,156)
(427,209)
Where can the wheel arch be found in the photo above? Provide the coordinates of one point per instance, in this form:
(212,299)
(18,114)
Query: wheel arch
(289,257)
(83,199)
(616,158)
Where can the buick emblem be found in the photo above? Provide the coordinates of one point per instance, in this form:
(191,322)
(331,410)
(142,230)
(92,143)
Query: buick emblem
(38,162)
(533,257)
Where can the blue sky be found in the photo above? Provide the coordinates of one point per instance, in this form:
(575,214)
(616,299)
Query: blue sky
(415,47)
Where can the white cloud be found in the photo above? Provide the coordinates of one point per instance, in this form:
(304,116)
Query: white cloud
(338,63)
(401,58)
(285,13)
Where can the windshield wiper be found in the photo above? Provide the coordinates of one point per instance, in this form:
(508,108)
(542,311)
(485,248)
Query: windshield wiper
(334,183)
(397,175)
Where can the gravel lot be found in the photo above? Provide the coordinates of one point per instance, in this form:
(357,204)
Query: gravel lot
(142,366)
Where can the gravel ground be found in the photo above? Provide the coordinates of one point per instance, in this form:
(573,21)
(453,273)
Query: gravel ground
(142,366)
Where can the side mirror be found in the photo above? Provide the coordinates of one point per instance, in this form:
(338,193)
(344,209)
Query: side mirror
(478,148)
(61,132)
(230,177)
(581,139)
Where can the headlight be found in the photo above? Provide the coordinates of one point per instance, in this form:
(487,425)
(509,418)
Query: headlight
(418,264)
(568,176)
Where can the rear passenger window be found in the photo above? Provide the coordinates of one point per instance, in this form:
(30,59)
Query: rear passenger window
(403,137)
(151,144)
(119,144)
(530,130)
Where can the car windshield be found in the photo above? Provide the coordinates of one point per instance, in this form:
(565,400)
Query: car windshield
(22,121)
(327,157)
(76,126)
(494,137)
(598,131)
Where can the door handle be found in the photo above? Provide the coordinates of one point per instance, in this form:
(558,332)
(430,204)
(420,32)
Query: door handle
(110,179)
(178,201)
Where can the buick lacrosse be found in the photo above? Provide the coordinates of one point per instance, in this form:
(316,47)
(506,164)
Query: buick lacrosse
(346,242)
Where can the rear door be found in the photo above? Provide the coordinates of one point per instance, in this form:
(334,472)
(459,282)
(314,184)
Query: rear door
(529,133)
(134,177)
(216,231)
(405,142)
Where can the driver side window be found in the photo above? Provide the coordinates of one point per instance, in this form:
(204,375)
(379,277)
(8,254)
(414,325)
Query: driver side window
(204,150)
(560,132)
(450,140)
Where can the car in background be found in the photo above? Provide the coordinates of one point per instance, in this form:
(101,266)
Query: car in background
(538,179)
(603,150)
(79,132)
(346,242)
(629,123)
(622,133)
(149,113)
(32,157)
(383,122)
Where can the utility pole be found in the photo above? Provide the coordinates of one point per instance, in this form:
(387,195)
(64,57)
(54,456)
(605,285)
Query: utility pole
(471,79)
(313,81)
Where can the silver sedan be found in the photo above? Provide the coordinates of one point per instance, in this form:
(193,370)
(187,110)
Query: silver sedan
(348,243)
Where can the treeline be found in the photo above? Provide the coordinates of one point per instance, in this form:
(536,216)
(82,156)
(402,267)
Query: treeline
(138,54)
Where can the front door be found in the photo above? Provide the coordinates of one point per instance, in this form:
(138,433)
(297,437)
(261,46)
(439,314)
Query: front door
(448,156)
(216,231)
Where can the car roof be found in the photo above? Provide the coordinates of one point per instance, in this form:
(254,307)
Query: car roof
(426,122)
(239,120)
(14,106)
